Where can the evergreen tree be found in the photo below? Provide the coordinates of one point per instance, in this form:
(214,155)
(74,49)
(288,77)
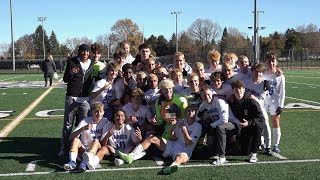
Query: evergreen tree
(38,42)
(54,44)
(224,42)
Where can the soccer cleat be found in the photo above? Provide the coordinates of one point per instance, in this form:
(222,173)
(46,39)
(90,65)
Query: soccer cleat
(267,151)
(170,169)
(87,158)
(219,161)
(83,166)
(276,149)
(118,161)
(253,158)
(70,166)
(125,157)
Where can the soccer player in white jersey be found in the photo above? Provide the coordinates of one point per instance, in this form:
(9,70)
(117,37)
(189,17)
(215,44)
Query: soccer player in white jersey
(184,137)
(103,90)
(224,91)
(228,70)
(153,91)
(216,117)
(88,131)
(116,136)
(244,66)
(275,99)
(136,112)
(258,88)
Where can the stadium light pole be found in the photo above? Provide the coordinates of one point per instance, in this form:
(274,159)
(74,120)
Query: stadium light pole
(44,48)
(256,28)
(176,13)
(12,40)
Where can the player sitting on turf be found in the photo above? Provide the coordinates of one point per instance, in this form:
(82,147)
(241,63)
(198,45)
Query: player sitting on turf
(116,136)
(90,129)
(184,136)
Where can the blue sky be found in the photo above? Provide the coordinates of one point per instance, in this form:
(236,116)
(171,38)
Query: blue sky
(90,18)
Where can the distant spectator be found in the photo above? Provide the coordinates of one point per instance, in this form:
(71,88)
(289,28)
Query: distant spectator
(48,68)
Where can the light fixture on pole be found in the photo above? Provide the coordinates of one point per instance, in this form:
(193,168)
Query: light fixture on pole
(44,48)
(176,13)
(12,40)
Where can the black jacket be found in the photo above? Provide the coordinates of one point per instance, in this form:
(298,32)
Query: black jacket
(248,109)
(48,67)
(78,84)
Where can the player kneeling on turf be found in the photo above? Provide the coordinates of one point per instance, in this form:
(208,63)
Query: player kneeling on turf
(88,132)
(117,136)
(184,137)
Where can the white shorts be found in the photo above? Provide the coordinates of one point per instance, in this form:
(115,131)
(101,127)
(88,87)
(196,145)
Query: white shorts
(173,149)
(272,108)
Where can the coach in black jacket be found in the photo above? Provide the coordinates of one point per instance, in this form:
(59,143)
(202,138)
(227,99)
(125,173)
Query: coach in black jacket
(248,111)
(78,78)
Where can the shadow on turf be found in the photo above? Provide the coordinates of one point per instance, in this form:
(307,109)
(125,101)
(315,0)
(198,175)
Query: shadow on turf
(27,149)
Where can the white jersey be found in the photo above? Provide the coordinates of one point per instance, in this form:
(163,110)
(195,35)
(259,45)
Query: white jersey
(236,76)
(249,73)
(194,132)
(123,139)
(224,92)
(276,93)
(256,89)
(106,96)
(129,59)
(87,136)
(151,95)
(142,114)
(217,110)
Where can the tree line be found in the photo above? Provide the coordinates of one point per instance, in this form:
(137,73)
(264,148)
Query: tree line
(196,41)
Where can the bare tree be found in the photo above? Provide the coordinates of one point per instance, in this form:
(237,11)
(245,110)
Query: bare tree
(4,50)
(204,31)
(73,43)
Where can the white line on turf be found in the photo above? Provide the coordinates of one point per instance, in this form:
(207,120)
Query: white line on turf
(303,100)
(302,83)
(160,167)
(10,78)
(31,166)
(7,129)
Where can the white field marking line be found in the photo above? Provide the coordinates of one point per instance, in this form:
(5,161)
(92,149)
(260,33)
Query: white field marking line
(302,100)
(301,77)
(7,129)
(31,166)
(303,83)
(160,167)
(10,78)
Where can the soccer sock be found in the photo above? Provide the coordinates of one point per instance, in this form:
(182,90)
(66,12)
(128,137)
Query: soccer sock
(138,152)
(276,136)
(73,156)
(266,130)
(174,164)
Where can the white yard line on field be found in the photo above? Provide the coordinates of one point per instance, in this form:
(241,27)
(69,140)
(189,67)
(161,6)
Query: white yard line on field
(303,83)
(7,129)
(303,100)
(160,167)
(302,77)
(11,78)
